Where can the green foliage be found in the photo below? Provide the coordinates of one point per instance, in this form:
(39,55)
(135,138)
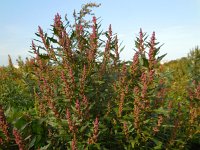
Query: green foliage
(14,91)
(182,73)
(179,77)
(194,61)
(76,93)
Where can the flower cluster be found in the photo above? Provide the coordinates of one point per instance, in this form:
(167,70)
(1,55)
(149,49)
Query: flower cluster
(94,137)
(18,139)
(151,54)
(69,121)
(3,125)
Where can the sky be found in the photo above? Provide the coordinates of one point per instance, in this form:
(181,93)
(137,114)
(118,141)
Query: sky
(176,23)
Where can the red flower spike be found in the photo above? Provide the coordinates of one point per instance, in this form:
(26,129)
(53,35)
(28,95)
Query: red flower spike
(110,30)
(141,46)
(77,105)
(34,48)
(116,51)
(95,129)
(18,139)
(135,63)
(40,31)
(152,60)
(69,121)
(74,143)
(57,20)
(125,129)
(94,20)
(3,124)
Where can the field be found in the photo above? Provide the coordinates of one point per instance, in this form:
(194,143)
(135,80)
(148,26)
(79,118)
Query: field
(75,93)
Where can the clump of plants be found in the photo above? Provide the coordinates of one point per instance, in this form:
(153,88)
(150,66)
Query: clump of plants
(85,97)
(14,92)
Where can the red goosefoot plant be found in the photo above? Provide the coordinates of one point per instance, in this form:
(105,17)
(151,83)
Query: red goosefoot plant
(87,98)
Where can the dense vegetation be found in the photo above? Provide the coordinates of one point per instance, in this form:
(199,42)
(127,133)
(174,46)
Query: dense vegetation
(76,93)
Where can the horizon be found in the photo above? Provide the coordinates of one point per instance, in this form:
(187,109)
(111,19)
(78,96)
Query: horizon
(177,28)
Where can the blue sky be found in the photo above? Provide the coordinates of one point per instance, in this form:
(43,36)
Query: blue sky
(176,23)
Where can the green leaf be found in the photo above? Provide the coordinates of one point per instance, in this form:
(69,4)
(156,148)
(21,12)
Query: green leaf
(100,82)
(84,127)
(32,143)
(47,42)
(133,143)
(52,40)
(158,144)
(37,34)
(146,121)
(20,123)
(44,56)
(161,57)
(45,147)
(121,49)
(145,62)
(161,110)
(2,135)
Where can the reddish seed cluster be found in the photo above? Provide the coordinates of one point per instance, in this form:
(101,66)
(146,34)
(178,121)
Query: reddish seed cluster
(144,84)
(159,122)
(151,51)
(69,121)
(121,103)
(49,48)
(48,96)
(141,42)
(52,106)
(94,30)
(77,106)
(93,139)
(34,48)
(71,75)
(57,21)
(151,76)
(197,91)
(107,51)
(136,111)
(43,38)
(67,89)
(63,38)
(85,105)
(125,130)
(3,125)
(93,42)
(122,84)
(85,101)
(135,62)
(193,110)
(136,114)
(65,42)
(82,80)
(116,51)
(94,20)
(37,60)
(96,129)
(79,29)
(110,30)
(18,139)
(74,143)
